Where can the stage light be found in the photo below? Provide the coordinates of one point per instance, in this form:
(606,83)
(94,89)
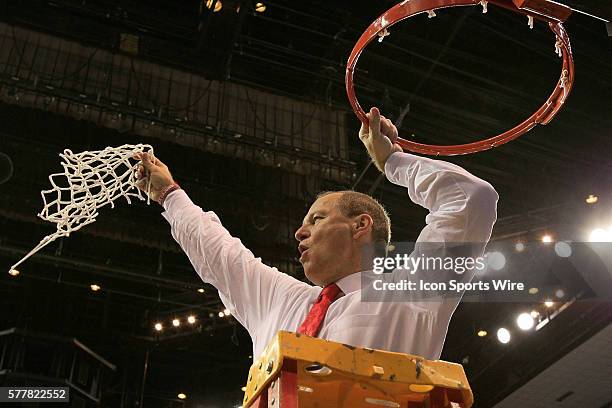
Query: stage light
(525,321)
(243,389)
(221,314)
(14,272)
(176,322)
(218,5)
(226,312)
(549,303)
(482,333)
(201,290)
(191,319)
(519,246)
(534,314)
(533,291)
(591,199)
(559,293)
(600,235)
(547,239)
(260,7)
(503,335)
(158,326)
(182,396)
(95,287)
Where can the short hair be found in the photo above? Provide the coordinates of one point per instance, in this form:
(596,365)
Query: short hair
(352,203)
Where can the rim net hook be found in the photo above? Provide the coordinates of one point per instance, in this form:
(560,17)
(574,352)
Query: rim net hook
(382,34)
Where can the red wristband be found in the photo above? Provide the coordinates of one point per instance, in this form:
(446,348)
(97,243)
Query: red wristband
(162,197)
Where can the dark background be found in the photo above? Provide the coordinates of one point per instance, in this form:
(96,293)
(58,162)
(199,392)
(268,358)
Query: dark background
(456,78)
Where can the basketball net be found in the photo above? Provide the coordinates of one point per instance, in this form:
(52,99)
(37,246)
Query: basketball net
(90,180)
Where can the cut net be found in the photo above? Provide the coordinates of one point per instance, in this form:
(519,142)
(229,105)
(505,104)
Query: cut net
(90,181)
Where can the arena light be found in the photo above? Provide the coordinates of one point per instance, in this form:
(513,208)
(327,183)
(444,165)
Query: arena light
(559,293)
(226,312)
(176,322)
(191,319)
(260,7)
(534,314)
(591,199)
(182,396)
(221,314)
(95,287)
(201,290)
(547,239)
(218,5)
(496,260)
(533,291)
(14,272)
(519,246)
(525,321)
(243,389)
(600,235)
(482,333)
(158,326)
(549,303)
(503,335)
(563,249)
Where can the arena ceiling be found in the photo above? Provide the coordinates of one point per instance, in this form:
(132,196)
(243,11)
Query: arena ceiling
(454,78)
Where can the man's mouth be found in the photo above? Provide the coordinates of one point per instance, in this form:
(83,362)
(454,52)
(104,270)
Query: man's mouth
(302,249)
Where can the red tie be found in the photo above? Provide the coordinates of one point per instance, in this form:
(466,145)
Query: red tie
(313,322)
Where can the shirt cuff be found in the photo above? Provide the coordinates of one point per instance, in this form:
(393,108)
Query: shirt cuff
(396,159)
(174,203)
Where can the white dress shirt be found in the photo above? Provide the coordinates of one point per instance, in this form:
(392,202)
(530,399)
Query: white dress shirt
(461,208)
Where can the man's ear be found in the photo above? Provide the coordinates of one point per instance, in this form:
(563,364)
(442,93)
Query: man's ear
(362,225)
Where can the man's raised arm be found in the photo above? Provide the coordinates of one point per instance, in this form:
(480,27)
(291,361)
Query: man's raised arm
(462,207)
(247,286)
(462,210)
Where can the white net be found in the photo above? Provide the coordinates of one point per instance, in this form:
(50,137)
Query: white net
(90,181)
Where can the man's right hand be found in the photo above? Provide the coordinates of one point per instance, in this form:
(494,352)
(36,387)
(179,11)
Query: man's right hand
(379,138)
(151,168)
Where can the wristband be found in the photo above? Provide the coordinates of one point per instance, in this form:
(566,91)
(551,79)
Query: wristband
(162,197)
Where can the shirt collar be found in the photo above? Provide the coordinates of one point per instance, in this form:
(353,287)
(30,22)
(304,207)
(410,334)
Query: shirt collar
(350,283)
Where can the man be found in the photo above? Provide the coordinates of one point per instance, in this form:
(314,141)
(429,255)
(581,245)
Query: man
(338,229)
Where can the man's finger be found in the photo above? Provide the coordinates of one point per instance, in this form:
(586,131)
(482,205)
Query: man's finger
(364,131)
(374,122)
(147,163)
(392,135)
(385,126)
(142,184)
(395,134)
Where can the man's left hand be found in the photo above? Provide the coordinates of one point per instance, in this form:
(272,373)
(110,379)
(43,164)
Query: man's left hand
(379,138)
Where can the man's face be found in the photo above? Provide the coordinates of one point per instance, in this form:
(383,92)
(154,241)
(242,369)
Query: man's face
(325,241)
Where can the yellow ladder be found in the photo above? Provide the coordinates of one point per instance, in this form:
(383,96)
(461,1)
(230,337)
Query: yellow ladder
(300,371)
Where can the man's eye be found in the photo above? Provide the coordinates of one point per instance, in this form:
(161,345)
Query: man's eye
(314,219)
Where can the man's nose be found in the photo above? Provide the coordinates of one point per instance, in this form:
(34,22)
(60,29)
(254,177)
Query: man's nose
(302,233)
